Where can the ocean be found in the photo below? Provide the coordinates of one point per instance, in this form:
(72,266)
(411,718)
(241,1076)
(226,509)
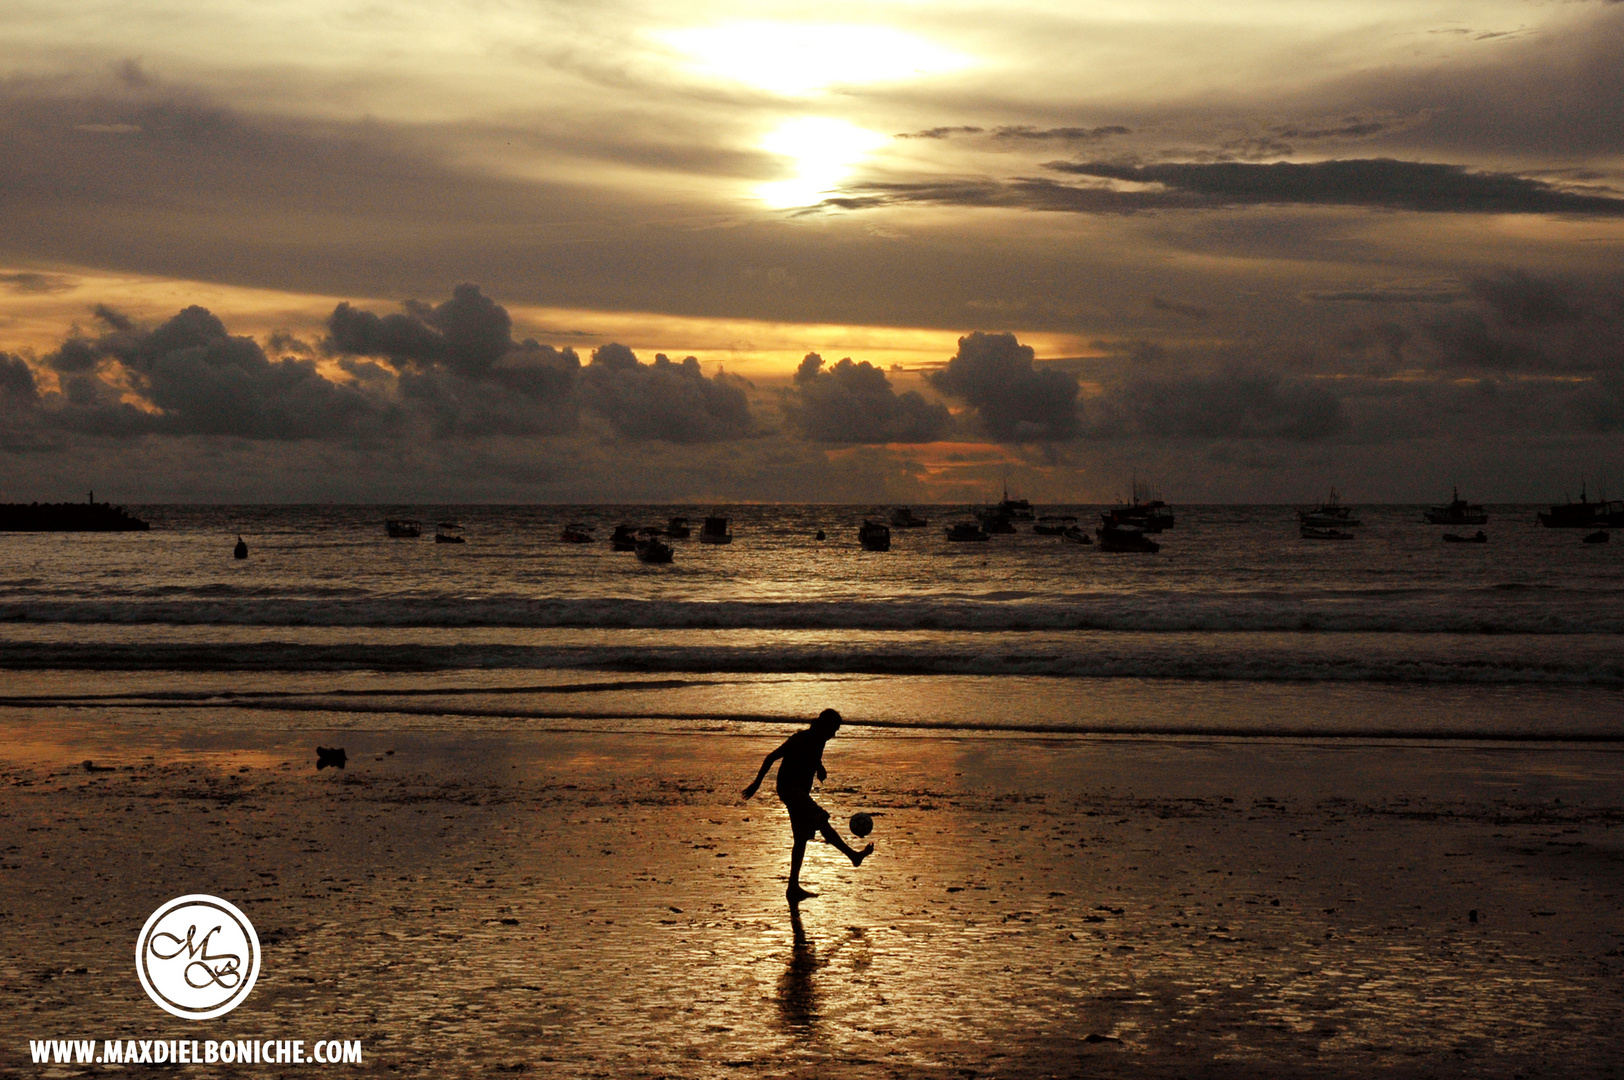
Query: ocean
(1237,628)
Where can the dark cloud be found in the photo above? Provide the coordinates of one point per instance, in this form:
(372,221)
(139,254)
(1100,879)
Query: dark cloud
(940,132)
(197,379)
(17,388)
(1419,294)
(29,283)
(1377,183)
(1229,405)
(467,334)
(666,399)
(856,403)
(1023,133)
(1058,134)
(1013,399)
(459,364)
(1189,311)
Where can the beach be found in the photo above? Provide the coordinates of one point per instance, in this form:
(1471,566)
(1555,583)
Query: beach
(577,902)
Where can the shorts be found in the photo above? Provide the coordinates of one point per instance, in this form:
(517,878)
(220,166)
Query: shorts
(805,816)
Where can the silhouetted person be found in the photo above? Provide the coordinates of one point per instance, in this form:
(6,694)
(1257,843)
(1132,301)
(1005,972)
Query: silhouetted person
(241,550)
(802,760)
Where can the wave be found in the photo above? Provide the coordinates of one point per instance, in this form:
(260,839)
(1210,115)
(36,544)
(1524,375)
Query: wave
(1181,612)
(1591,668)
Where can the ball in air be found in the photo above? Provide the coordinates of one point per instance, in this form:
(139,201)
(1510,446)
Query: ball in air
(861,824)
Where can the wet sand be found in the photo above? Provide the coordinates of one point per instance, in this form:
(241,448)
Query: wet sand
(588,904)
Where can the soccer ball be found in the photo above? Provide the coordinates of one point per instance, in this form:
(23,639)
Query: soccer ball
(861,824)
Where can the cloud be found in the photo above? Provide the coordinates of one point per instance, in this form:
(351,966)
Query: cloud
(855,403)
(664,400)
(1396,294)
(1375,183)
(457,361)
(1013,399)
(467,334)
(194,378)
(1234,404)
(29,283)
(17,388)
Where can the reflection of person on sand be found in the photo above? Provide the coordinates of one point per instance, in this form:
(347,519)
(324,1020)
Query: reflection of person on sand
(802,760)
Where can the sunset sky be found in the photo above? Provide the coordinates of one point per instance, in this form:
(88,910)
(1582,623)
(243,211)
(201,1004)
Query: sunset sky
(432,250)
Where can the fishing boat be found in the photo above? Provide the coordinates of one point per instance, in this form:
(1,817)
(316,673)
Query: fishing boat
(962,531)
(1330,514)
(576,533)
(1143,511)
(1076,535)
(1125,538)
(1584,514)
(652,549)
(623,539)
(904,518)
(1013,509)
(448,532)
(403,528)
(1479,537)
(1320,532)
(677,528)
(714,531)
(874,536)
(1457,511)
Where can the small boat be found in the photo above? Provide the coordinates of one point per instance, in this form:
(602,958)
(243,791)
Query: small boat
(1054,524)
(1330,514)
(1599,537)
(623,539)
(443,537)
(1479,537)
(1583,514)
(653,550)
(241,550)
(576,533)
(677,528)
(1457,511)
(994,520)
(403,528)
(904,518)
(714,531)
(874,536)
(1318,532)
(1125,538)
(961,531)
(1076,535)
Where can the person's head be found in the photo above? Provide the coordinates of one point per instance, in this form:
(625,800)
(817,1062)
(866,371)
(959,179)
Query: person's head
(827,723)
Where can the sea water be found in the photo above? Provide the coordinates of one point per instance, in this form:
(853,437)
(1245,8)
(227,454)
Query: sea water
(1237,627)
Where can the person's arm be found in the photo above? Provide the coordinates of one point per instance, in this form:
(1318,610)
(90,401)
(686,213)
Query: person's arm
(766,763)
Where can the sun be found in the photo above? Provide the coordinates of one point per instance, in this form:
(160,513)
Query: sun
(824,151)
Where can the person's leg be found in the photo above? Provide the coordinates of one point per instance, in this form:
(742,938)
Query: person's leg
(844,848)
(795,892)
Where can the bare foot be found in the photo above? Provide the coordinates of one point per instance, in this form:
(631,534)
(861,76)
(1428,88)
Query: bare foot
(858,857)
(795,894)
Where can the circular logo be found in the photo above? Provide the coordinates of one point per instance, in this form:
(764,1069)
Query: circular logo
(198,957)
